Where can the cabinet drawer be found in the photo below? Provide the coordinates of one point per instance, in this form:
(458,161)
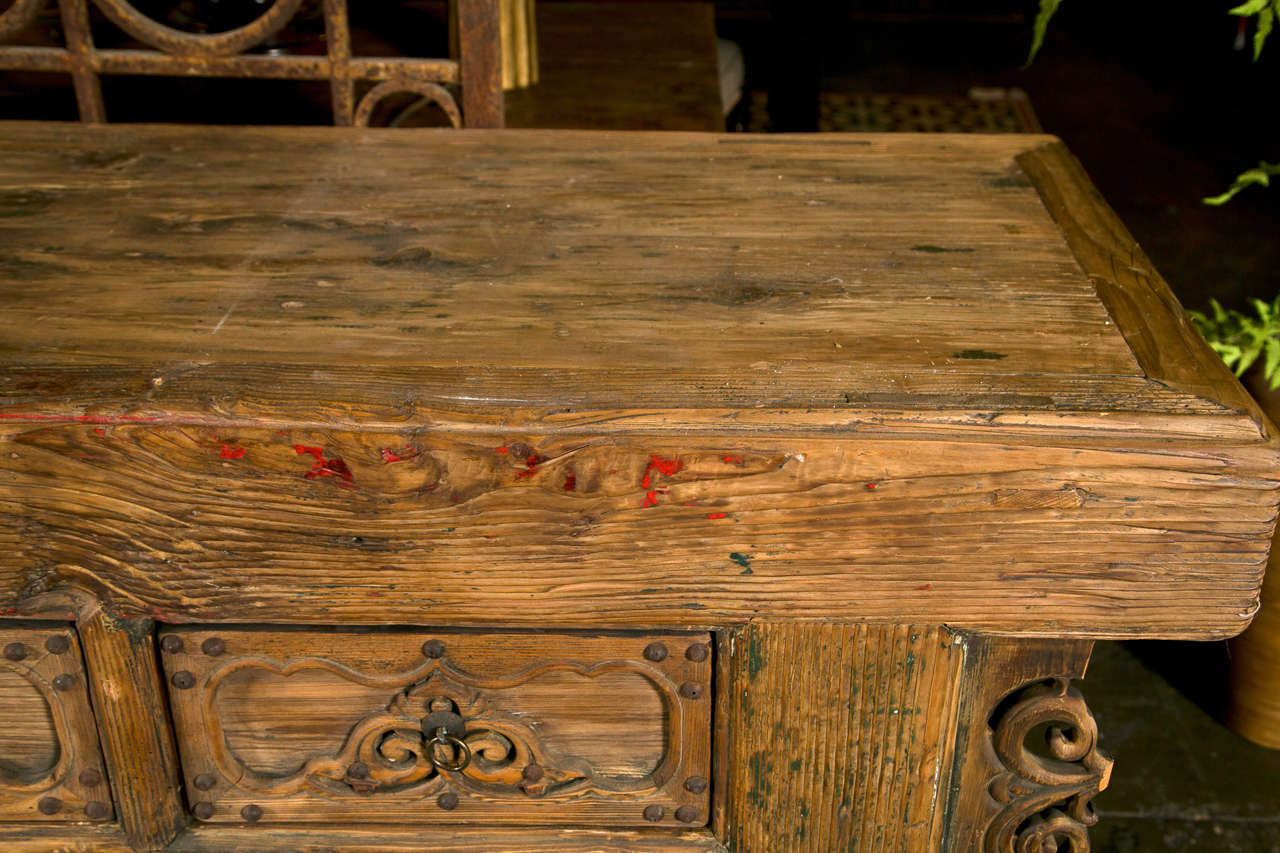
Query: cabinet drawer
(50,764)
(371,726)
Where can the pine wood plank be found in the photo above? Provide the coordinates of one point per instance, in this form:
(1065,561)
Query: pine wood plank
(230,839)
(133,723)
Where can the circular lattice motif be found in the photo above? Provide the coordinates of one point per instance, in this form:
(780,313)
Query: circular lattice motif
(180,42)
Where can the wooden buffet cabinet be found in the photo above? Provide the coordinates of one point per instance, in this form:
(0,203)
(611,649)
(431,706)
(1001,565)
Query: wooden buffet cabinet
(534,491)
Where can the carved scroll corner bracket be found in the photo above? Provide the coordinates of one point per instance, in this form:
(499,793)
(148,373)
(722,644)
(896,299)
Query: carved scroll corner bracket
(1044,744)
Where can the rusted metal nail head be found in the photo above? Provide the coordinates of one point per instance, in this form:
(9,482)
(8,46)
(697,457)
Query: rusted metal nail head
(433,649)
(654,813)
(204,811)
(655,652)
(49,805)
(697,653)
(358,770)
(171,643)
(686,814)
(251,813)
(90,776)
(447,801)
(57,644)
(691,690)
(183,680)
(205,781)
(64,682)
(95,810)
(15,651)
(532,772)
(213,646)
(696,784)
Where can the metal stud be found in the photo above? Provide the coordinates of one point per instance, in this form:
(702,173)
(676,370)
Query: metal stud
(697,653)
(183,680)
(655,652)
(205,781)
(64,682)
(358,770)
(15,651)
(202,810)
(691,690)
(57,644)
(433,649)
(251,813)
(49,805)
(686,814)
(171,643)
(696,784)
(213,646)
(90,776)
(447,801)
(95,810)
(532,773)
(654,813)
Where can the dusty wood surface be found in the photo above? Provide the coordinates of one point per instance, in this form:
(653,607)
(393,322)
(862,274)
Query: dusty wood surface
(583,379)
(231,839)
(278,720)
(50,765)
(133,723)
(840,736)
(31,838)
(623,66)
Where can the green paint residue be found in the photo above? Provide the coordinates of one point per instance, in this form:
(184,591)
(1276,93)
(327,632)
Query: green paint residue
(979,353)
(755,657)
(928,247)
(743,560)
(760,770)
(796,764)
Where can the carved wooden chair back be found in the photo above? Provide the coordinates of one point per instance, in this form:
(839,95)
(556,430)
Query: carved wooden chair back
(477,69)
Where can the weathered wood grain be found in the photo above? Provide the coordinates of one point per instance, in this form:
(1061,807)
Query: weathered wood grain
(18,838)
(231,839)
(196,524)
(587,271)
(840,736)
(133,723)
(275,720)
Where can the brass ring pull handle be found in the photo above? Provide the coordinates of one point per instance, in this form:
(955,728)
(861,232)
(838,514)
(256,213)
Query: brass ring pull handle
(443,730)
(454,745)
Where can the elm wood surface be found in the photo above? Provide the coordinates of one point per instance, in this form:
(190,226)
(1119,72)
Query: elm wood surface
(837,399)
(567,377)
(613,725)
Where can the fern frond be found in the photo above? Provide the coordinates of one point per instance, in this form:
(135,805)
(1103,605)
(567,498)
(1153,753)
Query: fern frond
(1041,25)
(1261,176)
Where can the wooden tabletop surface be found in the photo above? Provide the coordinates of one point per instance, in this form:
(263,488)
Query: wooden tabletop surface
(957,317)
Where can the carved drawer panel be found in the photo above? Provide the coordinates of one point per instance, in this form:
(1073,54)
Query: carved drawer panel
(442,727)
(50,764)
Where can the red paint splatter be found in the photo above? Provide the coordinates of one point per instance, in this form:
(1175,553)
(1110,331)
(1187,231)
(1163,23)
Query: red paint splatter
(230,452)
(503,449)
(322,467)
(667,467)
(733,460)
(926,586)
(455,497)
(871,487)
(100,431)
(531,466)
(570,482)
(650,499)
(388,455)
(717,515)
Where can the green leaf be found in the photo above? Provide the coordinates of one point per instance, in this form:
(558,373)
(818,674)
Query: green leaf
(1253,7)
(1261,175)
(1269,367)
(1041,25)
(1266,18)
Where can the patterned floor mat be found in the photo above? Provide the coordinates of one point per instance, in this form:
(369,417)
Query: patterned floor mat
(981,111)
